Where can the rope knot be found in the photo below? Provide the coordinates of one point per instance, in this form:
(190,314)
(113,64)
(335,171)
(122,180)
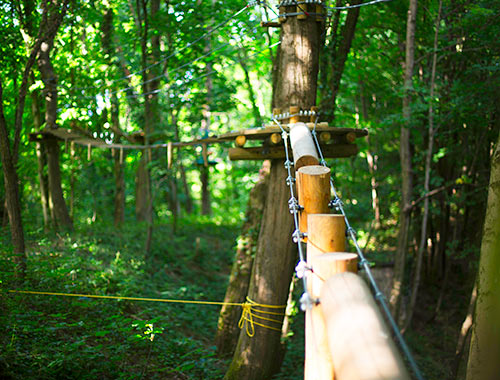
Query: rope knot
(246,316)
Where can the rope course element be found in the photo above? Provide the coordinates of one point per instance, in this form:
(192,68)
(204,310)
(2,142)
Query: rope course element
(249,308)
(359,5)
(306,301)
(365,265)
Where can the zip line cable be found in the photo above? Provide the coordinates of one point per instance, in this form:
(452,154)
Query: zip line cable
(165,75)
(175,52)
(176,85)
(359,5)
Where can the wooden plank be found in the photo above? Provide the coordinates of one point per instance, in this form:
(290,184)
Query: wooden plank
(278,152)
(261,133)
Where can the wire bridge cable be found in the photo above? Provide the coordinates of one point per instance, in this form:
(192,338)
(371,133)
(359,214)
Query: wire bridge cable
(364,263)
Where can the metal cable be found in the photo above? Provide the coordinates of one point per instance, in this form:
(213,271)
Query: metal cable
(306,301)
(364,263)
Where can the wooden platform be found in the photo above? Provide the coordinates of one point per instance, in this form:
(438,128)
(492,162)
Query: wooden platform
(334,142)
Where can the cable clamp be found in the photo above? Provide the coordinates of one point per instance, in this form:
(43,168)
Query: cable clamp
(335,203)
(294,206)
(362,263)
(351,232)
(297,236)
(288,164)
(301,269)
(284,135)
(290,180)
(307,302)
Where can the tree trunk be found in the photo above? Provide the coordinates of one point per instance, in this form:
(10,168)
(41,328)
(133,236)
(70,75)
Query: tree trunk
(62,219)
(50,93)
(484,350)
(295,84)
(119,200)
(142,190)
(406,167)
(340,50)
(428,163)
(118,155)
(11,193)
(182,171)
(227,329)
(41,160)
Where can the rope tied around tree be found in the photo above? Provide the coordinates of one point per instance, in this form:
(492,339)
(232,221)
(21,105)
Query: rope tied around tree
(248,314)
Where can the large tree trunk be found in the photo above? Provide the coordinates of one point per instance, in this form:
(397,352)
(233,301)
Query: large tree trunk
(484,350)
(406,166)
(227,328)
(50,92)
(295,84)
(11,193)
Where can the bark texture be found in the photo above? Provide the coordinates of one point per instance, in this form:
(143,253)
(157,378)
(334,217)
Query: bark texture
(295,84)
(484,350)
(227,329)
(406,166)
(11,192)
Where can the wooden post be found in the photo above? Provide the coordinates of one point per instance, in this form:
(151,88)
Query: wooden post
(303,148)
(313,188)
(326,234)
(169,155)
(360,342)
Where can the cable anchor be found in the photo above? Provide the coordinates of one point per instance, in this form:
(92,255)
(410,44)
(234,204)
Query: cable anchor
(301,269)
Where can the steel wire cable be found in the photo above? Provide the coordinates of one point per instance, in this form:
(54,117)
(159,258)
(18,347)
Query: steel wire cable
(364,263)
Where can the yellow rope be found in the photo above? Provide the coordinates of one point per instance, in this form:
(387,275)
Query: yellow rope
(247,317)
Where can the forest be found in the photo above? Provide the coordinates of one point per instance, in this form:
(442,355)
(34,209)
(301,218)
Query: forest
(134,234)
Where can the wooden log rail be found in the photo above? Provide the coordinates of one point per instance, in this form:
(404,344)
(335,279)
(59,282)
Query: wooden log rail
(346,335)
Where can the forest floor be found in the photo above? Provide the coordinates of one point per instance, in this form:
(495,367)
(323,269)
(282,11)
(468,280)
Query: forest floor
(53,337)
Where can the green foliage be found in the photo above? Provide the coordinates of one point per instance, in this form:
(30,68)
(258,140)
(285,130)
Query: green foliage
(58,337)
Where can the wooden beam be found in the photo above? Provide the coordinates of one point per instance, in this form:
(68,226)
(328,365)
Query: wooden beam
(278,152)
(303,148)
(359,340)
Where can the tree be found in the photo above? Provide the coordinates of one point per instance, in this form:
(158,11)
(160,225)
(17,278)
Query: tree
(484,351)
(406,163)
(54,12)
(295,83)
